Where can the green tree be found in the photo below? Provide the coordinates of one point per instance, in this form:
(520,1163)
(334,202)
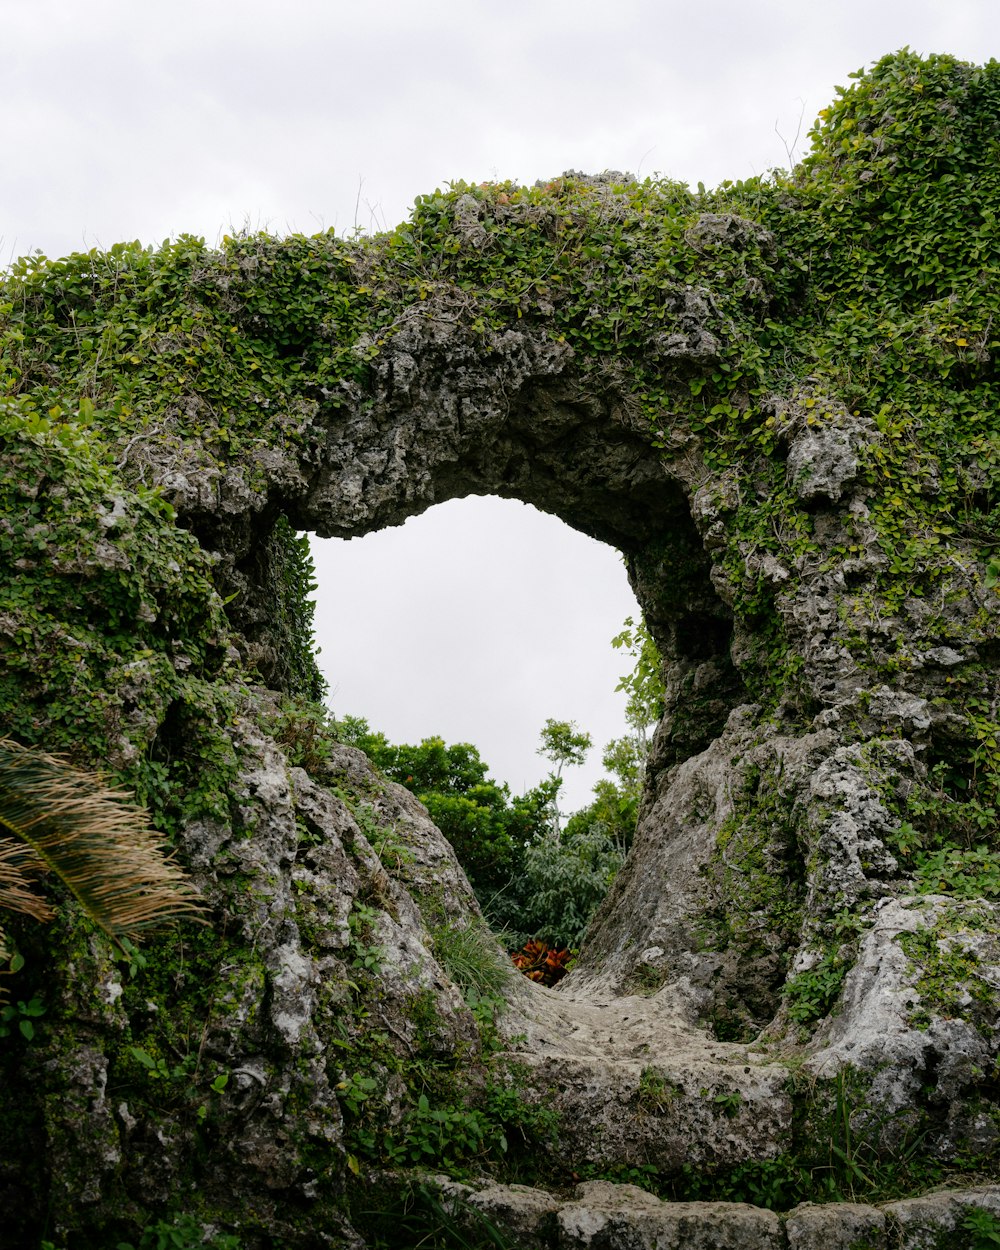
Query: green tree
(615,809)
(564,883)
(563,744)
(644,685)
(625,760)
(431,766)
(478,826)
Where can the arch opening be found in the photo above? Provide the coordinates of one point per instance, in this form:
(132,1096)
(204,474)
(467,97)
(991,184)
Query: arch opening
(476,622)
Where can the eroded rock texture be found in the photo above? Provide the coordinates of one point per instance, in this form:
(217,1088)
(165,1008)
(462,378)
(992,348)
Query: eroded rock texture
(787,426)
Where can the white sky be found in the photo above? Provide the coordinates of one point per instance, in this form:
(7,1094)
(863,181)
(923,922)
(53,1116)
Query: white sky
(123,119)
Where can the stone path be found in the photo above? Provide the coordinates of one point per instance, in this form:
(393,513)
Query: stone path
(635,1082)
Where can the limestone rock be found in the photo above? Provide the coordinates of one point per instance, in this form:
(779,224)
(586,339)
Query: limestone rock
(604,1216)
(622,1217)
(926,1223)
(836,1226)
(811,887)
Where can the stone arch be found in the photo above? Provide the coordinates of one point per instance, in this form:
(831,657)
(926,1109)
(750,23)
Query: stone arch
(450,416)
(445,408)
(442,406)
(769,854)
(447,413)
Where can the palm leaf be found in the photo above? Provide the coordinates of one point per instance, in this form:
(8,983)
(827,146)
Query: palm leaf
(92,838)
(18,863)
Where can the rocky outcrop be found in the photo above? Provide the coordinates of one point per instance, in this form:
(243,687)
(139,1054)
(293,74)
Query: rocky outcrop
(795,975)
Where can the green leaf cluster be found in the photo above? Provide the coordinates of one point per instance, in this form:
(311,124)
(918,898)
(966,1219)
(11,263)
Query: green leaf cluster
(112,635)
(564,883)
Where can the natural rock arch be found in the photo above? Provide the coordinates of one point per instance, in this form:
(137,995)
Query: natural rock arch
(449,408)
(778,401)
(446,414)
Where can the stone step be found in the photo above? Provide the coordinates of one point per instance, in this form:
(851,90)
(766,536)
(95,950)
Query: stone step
(605,1216)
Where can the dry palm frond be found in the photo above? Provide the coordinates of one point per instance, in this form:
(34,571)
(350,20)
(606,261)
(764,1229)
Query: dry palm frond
(98,844)
(18,863)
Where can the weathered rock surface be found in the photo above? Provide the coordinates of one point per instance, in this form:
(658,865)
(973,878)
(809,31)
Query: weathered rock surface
(634,1083)
(798,961)
(601,1216)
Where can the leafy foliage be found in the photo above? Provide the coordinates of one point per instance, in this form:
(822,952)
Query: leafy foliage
(112,635)
(614,810)
(545,964)
(984,1226)
(564,883)
(181,1232)
(810,995)
(644,685)
(563,744)
(24,1014)
(291,664)
(529,883)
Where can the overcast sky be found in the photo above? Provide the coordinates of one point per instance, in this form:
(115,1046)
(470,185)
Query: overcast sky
(124,119)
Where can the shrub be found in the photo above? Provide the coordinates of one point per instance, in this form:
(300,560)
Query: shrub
(545,964)
(564,883)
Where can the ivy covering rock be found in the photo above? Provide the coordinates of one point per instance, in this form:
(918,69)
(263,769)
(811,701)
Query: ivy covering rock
(778,401)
